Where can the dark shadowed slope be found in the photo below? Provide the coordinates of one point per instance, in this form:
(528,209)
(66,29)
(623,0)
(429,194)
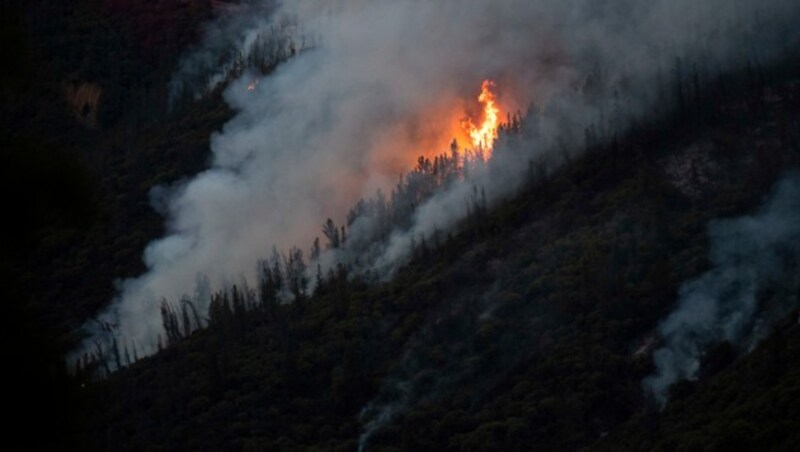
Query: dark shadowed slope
(530,326)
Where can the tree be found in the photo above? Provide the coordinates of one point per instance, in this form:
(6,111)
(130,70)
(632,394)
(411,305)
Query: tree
(277,273)
(268,289)
(315,249)
(219,311)
(331,232)
(239,306)
(296,273)
(169,320)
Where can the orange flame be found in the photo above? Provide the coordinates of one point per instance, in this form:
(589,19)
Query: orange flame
(252,85)
(484,135)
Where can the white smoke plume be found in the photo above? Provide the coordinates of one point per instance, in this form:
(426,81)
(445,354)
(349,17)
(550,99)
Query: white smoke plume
(387,81)
(748,255)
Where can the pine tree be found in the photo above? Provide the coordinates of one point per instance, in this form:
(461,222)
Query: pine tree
(330,232)
(315,249)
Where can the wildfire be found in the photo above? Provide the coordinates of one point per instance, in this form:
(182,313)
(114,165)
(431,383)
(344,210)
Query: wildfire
(252,85)
(484,135)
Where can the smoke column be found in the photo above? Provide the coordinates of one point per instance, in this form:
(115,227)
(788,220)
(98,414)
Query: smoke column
(748,255)
(387,81)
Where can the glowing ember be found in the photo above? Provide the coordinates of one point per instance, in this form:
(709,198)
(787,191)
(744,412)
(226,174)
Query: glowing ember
(484,135)
(252,85)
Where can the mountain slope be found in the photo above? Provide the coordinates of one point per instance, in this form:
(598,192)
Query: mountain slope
(529,326)
(90,96)
(750,406)
(74,185)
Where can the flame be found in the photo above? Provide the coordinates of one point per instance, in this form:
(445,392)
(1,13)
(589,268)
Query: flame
(484,135)
(252,85)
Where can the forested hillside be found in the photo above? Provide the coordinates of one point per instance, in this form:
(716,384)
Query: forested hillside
(529,325)
(91,94)
(84,138)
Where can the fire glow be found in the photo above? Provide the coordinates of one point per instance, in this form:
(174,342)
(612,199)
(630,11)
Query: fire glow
(484,135)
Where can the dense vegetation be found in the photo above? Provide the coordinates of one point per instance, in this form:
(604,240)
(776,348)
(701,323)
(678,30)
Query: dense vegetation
(521,328)
(750,406)
(91,96)
(529,326)
(83,141)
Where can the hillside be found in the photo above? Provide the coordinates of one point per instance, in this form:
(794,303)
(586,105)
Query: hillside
(91,96)
(78,152)
(748,406)
(519,329)
(531,324)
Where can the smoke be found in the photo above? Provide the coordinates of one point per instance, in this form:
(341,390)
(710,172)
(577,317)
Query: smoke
(227,42)
(387,81)
(749,255)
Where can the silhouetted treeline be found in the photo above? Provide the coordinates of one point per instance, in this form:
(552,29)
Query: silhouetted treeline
(530,323)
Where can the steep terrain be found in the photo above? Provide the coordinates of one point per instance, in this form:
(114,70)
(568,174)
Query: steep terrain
(749,406)
(83,126)
(90,95)
(529,326)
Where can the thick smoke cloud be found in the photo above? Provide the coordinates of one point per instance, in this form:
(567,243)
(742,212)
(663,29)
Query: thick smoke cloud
(749,255)
(389,80)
